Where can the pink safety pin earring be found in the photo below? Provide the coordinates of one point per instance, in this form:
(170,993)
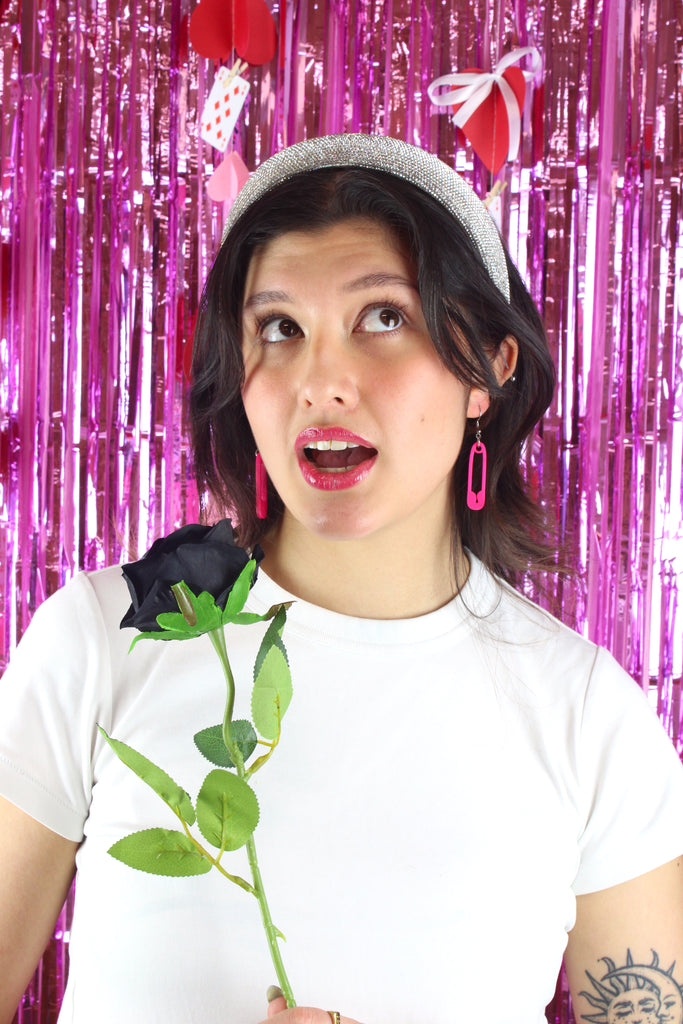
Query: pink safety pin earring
(261,488)
(477,499)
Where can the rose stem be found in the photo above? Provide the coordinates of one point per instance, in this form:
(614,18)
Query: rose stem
(271,931)
(218,640)
(217,637)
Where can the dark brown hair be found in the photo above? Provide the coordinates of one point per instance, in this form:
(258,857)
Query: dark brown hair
(467,317)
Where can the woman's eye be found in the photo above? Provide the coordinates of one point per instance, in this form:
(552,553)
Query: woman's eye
(382,318)
(278,328)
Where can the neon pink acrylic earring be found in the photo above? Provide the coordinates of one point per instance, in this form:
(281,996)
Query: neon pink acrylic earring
(477,499)
(261,488)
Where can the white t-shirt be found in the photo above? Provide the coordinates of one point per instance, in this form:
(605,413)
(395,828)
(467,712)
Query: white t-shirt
(443,788)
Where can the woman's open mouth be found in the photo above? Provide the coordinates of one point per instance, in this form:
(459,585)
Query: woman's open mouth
(334,459)
(337,456)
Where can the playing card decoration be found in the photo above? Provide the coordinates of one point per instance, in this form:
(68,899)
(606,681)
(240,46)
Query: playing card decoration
(223,107)
(488,106)
(219,26)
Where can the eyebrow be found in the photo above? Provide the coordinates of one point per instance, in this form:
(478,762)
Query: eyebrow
(264,298)
(376,280)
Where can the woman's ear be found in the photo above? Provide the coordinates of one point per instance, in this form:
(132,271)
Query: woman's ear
(478,403)
(504,363)
(505,359)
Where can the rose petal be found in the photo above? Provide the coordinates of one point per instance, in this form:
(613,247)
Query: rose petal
(205,557)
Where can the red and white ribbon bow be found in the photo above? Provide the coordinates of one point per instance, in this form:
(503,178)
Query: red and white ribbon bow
(473,87)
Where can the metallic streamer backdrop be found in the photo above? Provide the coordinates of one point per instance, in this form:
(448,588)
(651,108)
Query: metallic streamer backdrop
(106,232)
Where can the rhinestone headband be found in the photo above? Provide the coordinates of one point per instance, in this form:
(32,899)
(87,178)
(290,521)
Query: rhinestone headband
(381,153)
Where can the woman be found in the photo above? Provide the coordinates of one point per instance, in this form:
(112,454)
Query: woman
(461,781)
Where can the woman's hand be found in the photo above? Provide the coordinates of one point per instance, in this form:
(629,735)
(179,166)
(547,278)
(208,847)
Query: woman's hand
(277,1008)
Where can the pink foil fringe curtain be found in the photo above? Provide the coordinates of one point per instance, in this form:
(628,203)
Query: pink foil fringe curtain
(106,233)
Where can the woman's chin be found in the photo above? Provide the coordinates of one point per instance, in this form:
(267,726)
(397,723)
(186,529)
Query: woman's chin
(335,524)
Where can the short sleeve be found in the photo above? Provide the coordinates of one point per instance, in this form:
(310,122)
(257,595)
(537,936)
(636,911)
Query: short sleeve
(52,695)
(631,781)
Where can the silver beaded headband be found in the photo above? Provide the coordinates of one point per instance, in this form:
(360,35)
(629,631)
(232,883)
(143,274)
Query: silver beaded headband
(381,153)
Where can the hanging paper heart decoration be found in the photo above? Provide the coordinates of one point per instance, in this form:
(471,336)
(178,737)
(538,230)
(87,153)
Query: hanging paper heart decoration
(255,32)
(488,106)
(488,127)
(218,26)
(227,179)
(211,30)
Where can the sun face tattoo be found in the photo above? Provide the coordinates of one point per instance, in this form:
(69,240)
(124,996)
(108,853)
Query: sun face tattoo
(635,992)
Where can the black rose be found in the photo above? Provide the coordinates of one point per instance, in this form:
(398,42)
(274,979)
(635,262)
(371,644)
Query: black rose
(205,557)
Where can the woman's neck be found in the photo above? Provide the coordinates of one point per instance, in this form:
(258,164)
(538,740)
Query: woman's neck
(374,577)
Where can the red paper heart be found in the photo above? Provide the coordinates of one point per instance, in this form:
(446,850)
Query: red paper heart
(255,32)
(211,29)
(216,26)
(487,128)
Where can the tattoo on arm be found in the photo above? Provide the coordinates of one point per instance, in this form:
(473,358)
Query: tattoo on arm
(635,992)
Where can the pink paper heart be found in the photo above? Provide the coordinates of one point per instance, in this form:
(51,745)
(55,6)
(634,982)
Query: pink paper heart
(227,179)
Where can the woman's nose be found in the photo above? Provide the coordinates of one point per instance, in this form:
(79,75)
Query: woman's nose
(327,375)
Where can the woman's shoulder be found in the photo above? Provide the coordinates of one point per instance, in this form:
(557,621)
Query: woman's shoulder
(89,600)
(517,618)
(550,655)
(75,627)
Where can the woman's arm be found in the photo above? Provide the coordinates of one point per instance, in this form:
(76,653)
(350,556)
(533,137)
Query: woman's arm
(36,868)
(624,958)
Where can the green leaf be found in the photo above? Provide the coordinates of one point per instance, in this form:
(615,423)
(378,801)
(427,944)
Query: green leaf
(160,851)
(175,622)
(210,743)
(207,614)
(170,792)
(164,634)
(272,691)
(227,810)
(271,636)
(174,625)
(247,618)
(239,592)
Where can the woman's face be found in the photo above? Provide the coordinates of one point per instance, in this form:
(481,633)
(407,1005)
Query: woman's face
(356,418)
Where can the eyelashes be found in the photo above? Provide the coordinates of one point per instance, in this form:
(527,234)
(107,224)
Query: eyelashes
(384,317)
(268,326)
